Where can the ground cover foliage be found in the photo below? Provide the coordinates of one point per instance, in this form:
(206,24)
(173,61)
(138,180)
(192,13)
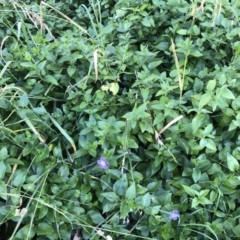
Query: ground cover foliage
(116,113)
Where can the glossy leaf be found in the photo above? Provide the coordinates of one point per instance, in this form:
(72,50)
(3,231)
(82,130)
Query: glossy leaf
(131,191)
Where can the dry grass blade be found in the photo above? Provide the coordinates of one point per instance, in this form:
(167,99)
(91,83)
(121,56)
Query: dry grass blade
(202,5)
(160,143)
(157,135)
(14,170)
(41,19)
(66,17)
(2,46)
(170,124)
(180,81)
(35,19)
(216,12)
(29,123)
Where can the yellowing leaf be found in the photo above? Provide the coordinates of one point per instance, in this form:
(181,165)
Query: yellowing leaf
(105,87)
(114,87)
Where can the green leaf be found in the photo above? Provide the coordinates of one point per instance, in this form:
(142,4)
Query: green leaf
(19,177)
(154,64)
(157,3)
(124,26)
(4,103)
(232,163)
(211,145)
(85,131)
(137,176)
(167,231)
(196,30)
(198,85)
(43,211)
(203,200)
(141,189)
(190,191)
(205,99)
(129,116)
(197,122)
(132,143)
(71,70)
(41,65)
(226,93)
(195,202)
(28,65)
(234,124)
(213,196)
(3,189)
(196,174)
(120,12)
(44,228)
(146,200)
(96,217)
(131,191)
(2,169)
(211,85)
(124,209)
(110,196)
(153,186)
(237,48)
(29,187)
(50,79)
(195,53)
(182,32)
(155,210)
(26,232)
(145,93)
(15,196)
(3,154)
(120,186)
(108,29)
(236,229)
(39,110)
(204,193)
(14,161)
(146,22)
(23,100)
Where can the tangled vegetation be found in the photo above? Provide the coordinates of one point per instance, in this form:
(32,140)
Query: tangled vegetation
(119,119)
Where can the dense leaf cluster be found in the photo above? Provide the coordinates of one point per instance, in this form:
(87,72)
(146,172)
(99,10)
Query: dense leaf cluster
(81,80)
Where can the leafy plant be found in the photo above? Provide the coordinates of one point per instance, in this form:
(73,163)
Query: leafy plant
(119,120)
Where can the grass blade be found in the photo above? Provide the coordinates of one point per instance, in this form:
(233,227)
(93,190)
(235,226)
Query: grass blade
(66,17)
(4,68)
(95,60)
(178,68)
(64,133)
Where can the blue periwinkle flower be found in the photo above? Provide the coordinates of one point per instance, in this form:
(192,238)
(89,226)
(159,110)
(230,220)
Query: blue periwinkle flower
(174,215)
(103,163)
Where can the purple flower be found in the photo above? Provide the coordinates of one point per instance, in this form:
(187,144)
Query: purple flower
(174,215)
(103,163)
